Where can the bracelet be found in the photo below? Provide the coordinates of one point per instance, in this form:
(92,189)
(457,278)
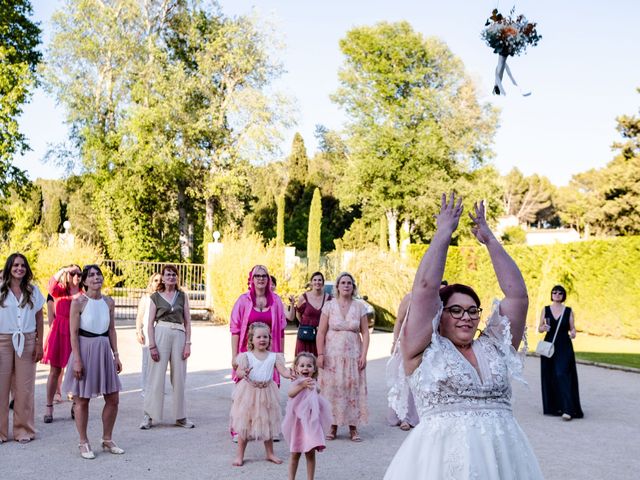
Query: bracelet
(321,354)
(153,348)
(115,354)
(187,343)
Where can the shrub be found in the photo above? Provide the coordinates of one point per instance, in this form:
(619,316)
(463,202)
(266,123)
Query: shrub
(601,278)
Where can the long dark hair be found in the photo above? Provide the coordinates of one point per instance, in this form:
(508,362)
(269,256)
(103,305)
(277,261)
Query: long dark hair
(25,283)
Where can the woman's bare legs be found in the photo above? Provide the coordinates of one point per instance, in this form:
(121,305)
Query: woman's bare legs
(109,414)
(52,385)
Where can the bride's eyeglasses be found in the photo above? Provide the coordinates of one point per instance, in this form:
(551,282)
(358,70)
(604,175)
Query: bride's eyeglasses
(457,312)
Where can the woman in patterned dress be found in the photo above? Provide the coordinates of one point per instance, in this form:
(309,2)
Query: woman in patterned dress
(342,342)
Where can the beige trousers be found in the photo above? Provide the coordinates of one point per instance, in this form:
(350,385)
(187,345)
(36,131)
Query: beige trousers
(21,373)
(170,342)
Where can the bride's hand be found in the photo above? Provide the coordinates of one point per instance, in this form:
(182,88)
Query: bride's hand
(450,211)
(480,228)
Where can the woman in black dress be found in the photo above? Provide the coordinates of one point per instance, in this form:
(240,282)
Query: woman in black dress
(559,376)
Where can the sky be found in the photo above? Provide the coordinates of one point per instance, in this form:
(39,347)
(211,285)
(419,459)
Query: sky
(583,74)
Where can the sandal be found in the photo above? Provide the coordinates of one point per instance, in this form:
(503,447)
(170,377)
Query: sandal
(405,426)
(333,433)
(48,417)
(111,447)
(355,437)
(85,451)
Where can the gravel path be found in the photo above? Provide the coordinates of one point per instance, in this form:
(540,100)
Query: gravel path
(603,445)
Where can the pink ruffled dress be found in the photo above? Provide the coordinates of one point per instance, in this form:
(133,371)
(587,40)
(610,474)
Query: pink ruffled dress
(306,421)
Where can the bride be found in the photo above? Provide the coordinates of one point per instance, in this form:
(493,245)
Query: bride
(461,385)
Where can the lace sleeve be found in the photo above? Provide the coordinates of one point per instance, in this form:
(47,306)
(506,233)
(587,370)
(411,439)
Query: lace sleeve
(498,330)
(397,379)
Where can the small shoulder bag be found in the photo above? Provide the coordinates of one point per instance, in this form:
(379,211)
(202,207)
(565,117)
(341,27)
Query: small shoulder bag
(546,349)
(307,333)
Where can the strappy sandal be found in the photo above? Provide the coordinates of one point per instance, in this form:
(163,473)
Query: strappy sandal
(355,437)
(333,433)
(48,417)
(85,451)
(111,447)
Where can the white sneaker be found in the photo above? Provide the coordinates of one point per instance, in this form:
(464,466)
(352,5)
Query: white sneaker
(566,417)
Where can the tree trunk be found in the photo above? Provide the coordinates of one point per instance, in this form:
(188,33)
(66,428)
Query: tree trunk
(392,224)
(405,230)
(186,240)
(209,209)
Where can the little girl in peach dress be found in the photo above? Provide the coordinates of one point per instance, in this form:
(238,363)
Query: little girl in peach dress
(255,412)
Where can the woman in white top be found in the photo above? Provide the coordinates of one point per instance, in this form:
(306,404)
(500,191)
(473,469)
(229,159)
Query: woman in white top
(20,346)
(142,321)
(94,359)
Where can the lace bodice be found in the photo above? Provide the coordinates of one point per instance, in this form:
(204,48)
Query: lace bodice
(446,382)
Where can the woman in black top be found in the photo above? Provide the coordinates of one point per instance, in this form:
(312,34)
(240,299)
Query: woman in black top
(559,375)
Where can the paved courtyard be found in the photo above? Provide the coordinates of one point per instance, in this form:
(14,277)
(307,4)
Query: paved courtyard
(603,445)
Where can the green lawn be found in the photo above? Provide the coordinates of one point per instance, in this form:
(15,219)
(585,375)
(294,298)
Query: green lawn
(624,359)
(615,351)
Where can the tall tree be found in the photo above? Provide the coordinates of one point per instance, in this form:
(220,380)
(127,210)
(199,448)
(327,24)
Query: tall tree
(313,232)
(414,119)
(166,101)
(19,58)
(280,221)
(524,197)
(298,161)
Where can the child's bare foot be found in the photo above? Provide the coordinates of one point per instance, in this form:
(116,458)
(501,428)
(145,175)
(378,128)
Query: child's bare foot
(272,458)
(238,462)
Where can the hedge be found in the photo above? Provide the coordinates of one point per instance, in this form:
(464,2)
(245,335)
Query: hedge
(602,278)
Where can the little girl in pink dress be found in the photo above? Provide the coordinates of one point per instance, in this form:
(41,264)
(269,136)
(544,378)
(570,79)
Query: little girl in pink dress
(308,416)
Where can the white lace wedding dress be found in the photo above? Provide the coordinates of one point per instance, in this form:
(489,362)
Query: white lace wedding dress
(467,429)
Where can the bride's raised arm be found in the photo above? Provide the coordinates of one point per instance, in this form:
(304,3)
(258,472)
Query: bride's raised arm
(425,299)
(516,300)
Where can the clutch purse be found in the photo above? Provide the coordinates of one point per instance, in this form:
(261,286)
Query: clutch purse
(545,349)
(307,333)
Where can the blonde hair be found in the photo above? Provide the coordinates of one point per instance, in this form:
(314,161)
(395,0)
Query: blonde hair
(252,328)
(313,359)
(150,286)
(354,293)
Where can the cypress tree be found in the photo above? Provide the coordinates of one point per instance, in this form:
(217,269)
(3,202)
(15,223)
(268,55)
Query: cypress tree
(313,232)
(280,220)
(298,161)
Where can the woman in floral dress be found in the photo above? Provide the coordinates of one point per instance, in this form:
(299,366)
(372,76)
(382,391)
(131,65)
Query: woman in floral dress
(342,342)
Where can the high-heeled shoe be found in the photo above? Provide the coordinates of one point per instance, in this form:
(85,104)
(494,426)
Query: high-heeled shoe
(48,417)
(85,451)
(111,447)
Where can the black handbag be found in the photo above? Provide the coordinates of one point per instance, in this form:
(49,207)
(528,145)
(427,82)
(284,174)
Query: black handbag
(307,333)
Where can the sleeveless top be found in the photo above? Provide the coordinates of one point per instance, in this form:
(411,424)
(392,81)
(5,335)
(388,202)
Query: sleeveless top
(261,370)
(310,315)
(95,317)
(169,311)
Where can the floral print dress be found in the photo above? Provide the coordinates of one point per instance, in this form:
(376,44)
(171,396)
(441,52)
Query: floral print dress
(341,381)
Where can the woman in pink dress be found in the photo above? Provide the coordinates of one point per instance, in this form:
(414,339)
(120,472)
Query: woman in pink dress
(308,416)
(64,286)
(343,341)
(259,304)
(308,311)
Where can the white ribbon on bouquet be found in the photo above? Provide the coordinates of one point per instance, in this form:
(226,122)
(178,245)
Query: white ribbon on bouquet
(498,89)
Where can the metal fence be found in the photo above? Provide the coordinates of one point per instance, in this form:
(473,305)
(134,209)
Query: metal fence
(127,281)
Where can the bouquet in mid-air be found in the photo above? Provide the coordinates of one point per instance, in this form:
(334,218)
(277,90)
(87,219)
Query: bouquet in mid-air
(508,36)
